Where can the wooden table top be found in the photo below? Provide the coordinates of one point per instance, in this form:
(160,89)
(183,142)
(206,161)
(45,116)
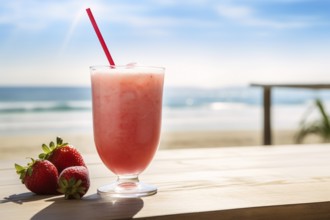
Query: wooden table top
(278,182)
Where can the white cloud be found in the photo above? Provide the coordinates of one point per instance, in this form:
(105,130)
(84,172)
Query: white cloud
(246,15)
(39,15)
(181,2)
(141,15)
(36,15)
(235,12)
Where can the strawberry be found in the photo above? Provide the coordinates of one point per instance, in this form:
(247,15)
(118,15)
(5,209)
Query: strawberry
(62,155)
(74,182)
(39,176)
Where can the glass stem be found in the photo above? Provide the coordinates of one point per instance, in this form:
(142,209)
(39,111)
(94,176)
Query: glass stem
(128,179)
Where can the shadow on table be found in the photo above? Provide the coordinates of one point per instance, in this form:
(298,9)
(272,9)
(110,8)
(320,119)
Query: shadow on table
(90,207)
(23,198)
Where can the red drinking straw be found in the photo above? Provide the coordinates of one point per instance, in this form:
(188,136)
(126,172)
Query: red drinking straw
(99,36)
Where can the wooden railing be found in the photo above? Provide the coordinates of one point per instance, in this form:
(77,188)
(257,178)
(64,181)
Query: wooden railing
(267,104)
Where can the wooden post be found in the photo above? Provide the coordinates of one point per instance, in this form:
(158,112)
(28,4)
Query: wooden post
(267,115)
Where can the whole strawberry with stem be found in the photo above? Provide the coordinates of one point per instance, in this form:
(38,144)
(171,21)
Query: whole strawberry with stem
(74,182)
(62,155)
(39,176)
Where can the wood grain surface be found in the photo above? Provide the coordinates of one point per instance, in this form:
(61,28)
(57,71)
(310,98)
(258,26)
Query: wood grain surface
(278,182)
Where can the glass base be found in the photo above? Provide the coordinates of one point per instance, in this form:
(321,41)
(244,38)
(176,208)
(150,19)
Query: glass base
(127,187)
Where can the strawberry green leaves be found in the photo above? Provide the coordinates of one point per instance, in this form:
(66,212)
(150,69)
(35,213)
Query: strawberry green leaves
(47,150)
(74,182)
(39,176)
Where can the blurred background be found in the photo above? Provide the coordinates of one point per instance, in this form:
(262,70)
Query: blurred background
(212,51)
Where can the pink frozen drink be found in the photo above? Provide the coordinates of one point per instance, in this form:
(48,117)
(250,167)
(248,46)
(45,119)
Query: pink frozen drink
(127,108)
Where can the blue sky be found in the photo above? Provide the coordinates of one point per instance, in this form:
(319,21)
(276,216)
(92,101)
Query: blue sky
(201,43)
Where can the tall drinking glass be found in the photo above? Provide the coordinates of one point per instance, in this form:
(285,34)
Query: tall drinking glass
(127,109)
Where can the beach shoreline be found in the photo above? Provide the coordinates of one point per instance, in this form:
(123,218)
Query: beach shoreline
(23,146)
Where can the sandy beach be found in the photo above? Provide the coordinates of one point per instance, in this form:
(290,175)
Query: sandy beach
(19,147)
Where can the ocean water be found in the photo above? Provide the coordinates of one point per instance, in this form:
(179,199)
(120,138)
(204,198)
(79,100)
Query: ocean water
(34,110)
